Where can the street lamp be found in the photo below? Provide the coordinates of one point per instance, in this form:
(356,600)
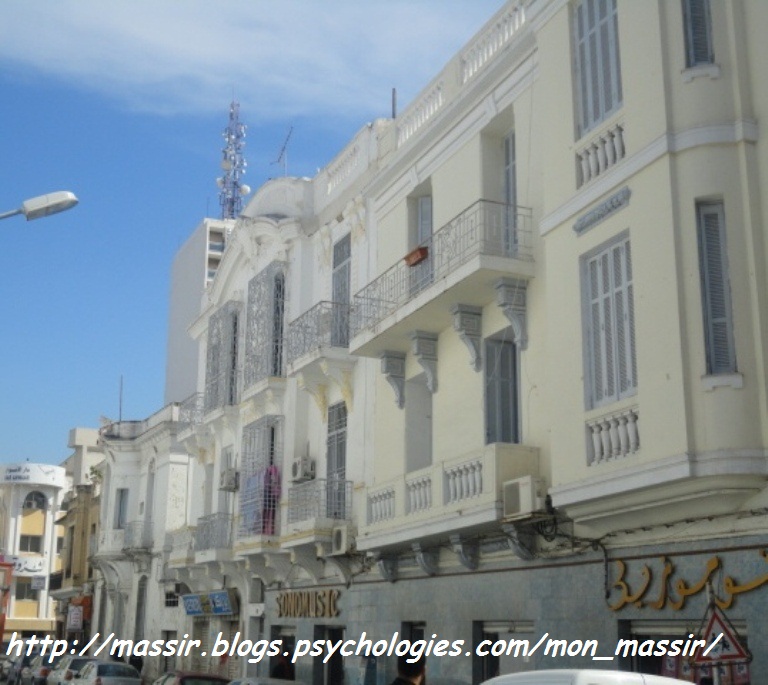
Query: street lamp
(43,205)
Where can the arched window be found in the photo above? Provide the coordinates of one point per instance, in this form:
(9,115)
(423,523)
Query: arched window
(35,500)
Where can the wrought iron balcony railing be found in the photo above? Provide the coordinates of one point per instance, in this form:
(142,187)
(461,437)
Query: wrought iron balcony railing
(320,498)
(485,228)
(222,390)
(191,410)
(324,325)
(213,532)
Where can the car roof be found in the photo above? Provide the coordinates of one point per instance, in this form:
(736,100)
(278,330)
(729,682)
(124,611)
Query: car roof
(580,677)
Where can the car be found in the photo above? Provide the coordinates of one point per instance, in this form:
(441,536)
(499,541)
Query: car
(264,681)
(66,669)
(581,677)
(20,663)
(39,668)
(190,678)
(108,673)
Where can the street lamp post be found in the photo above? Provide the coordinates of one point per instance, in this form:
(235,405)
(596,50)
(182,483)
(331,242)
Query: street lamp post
(43,205)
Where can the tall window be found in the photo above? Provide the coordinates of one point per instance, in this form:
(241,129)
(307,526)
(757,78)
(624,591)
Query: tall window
(260,483)
(340,287)
(501,406)
(610,324)
(31,543)
(715,289)
(24,589)
(35,500)
(337,460)
(278,320)
(597,61)
(121,507)
(222,357)
(421,273)
(698,33)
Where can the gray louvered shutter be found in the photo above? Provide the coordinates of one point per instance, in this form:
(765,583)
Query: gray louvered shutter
(698,32)
(716,296)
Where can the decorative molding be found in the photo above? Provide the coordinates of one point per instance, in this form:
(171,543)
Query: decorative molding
(511,297)
(393,367)
(427,559)
(613,204)
(424,348)
(467,322)
(707,70)
(468,551)
(727,380)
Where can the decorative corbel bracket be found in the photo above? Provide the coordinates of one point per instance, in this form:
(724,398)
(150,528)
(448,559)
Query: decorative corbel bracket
(307,559)
(388,568)
(424,348)
(258,567)
(511,297)
(427,559)
(467,322)
(393,367)
(468,551)
(521,541)
(317,389)
(342,567)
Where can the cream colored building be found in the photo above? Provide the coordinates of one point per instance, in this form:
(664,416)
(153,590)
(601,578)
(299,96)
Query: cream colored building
(30,497)
(499,370)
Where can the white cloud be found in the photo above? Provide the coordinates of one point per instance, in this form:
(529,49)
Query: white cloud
(279,57)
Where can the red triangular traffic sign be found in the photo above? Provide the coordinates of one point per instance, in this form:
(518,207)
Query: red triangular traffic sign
(722,642)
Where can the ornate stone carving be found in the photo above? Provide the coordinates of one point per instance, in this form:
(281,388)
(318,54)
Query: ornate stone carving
(468,551)
(511,297)
(424,348)
(427,559)
(467,322)
(393,367)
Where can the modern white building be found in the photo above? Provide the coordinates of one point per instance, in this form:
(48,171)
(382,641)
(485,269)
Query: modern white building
(30,498)
(499,370)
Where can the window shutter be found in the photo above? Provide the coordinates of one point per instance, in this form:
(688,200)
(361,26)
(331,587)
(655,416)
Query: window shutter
(698,32)
(721,357)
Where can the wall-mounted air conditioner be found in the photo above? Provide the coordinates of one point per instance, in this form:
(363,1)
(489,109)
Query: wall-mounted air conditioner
(341,541)
(522,497)
(229,480)
(302,470)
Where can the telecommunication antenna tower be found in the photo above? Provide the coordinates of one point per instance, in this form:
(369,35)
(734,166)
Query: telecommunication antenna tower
(233,163)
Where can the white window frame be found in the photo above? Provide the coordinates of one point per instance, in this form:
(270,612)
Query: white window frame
(598,62)
(609,323)
(697,26)
(715,289)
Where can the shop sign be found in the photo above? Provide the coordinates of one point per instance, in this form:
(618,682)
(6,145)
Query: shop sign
(673,592)
(308,604)
(74,618)
(32,565)
(38,582)
(216,603)
(34,474)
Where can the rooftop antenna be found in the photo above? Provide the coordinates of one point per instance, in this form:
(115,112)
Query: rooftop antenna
(282,158)
(233,163)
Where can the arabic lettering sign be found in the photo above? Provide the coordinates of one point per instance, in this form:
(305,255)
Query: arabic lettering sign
(32,565)
(216,603)
(35,474)
(673,593)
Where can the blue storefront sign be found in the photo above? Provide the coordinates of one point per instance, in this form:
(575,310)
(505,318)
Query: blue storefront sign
(216,603)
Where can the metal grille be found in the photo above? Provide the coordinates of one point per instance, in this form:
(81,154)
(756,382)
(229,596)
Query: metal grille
(260,480)
(266,318)
(213,532)
(485,228)
(319,499)
(191,410)
(221,359)
(325,325)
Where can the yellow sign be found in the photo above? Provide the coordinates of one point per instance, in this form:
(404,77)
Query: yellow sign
(674,593)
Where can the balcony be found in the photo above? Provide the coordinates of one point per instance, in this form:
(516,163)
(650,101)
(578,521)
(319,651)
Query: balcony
(213,538)
(138,536)
(461,495)
(463,261)
(180,544)
(318,343)
(110,543)
(315,508)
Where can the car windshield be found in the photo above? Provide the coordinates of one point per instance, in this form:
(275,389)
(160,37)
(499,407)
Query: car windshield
(118,671)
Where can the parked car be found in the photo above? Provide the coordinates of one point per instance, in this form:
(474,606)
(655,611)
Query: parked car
(190,678)
(581,677)
(266,681)
(38,670)
(20,663)
(66,670)
(108,673)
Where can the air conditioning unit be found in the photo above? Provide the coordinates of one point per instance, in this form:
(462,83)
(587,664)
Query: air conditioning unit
(341,541)
(302,469)
(229,480)
(522,497)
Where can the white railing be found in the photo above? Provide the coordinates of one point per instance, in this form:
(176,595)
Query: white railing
(421,112)
(381,505)
(418,494)
(463,481)
(602,152)
(490,42)
(613,436)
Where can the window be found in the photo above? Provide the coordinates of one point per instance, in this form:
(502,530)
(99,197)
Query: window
(610,324)
(172,596)
(222,357)
(340,291)
(35,500)
(420,274)
(31,543)
(698,33)
(597,61)
(278,321)
(501,405)
(24,589)
(121,508)
(715,289)
(265,323)
(337,460)
(260,478)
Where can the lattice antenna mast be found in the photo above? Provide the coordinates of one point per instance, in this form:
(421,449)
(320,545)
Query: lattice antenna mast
(233,163)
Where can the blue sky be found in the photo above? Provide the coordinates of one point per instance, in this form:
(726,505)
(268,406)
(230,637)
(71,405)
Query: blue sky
(123,103)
